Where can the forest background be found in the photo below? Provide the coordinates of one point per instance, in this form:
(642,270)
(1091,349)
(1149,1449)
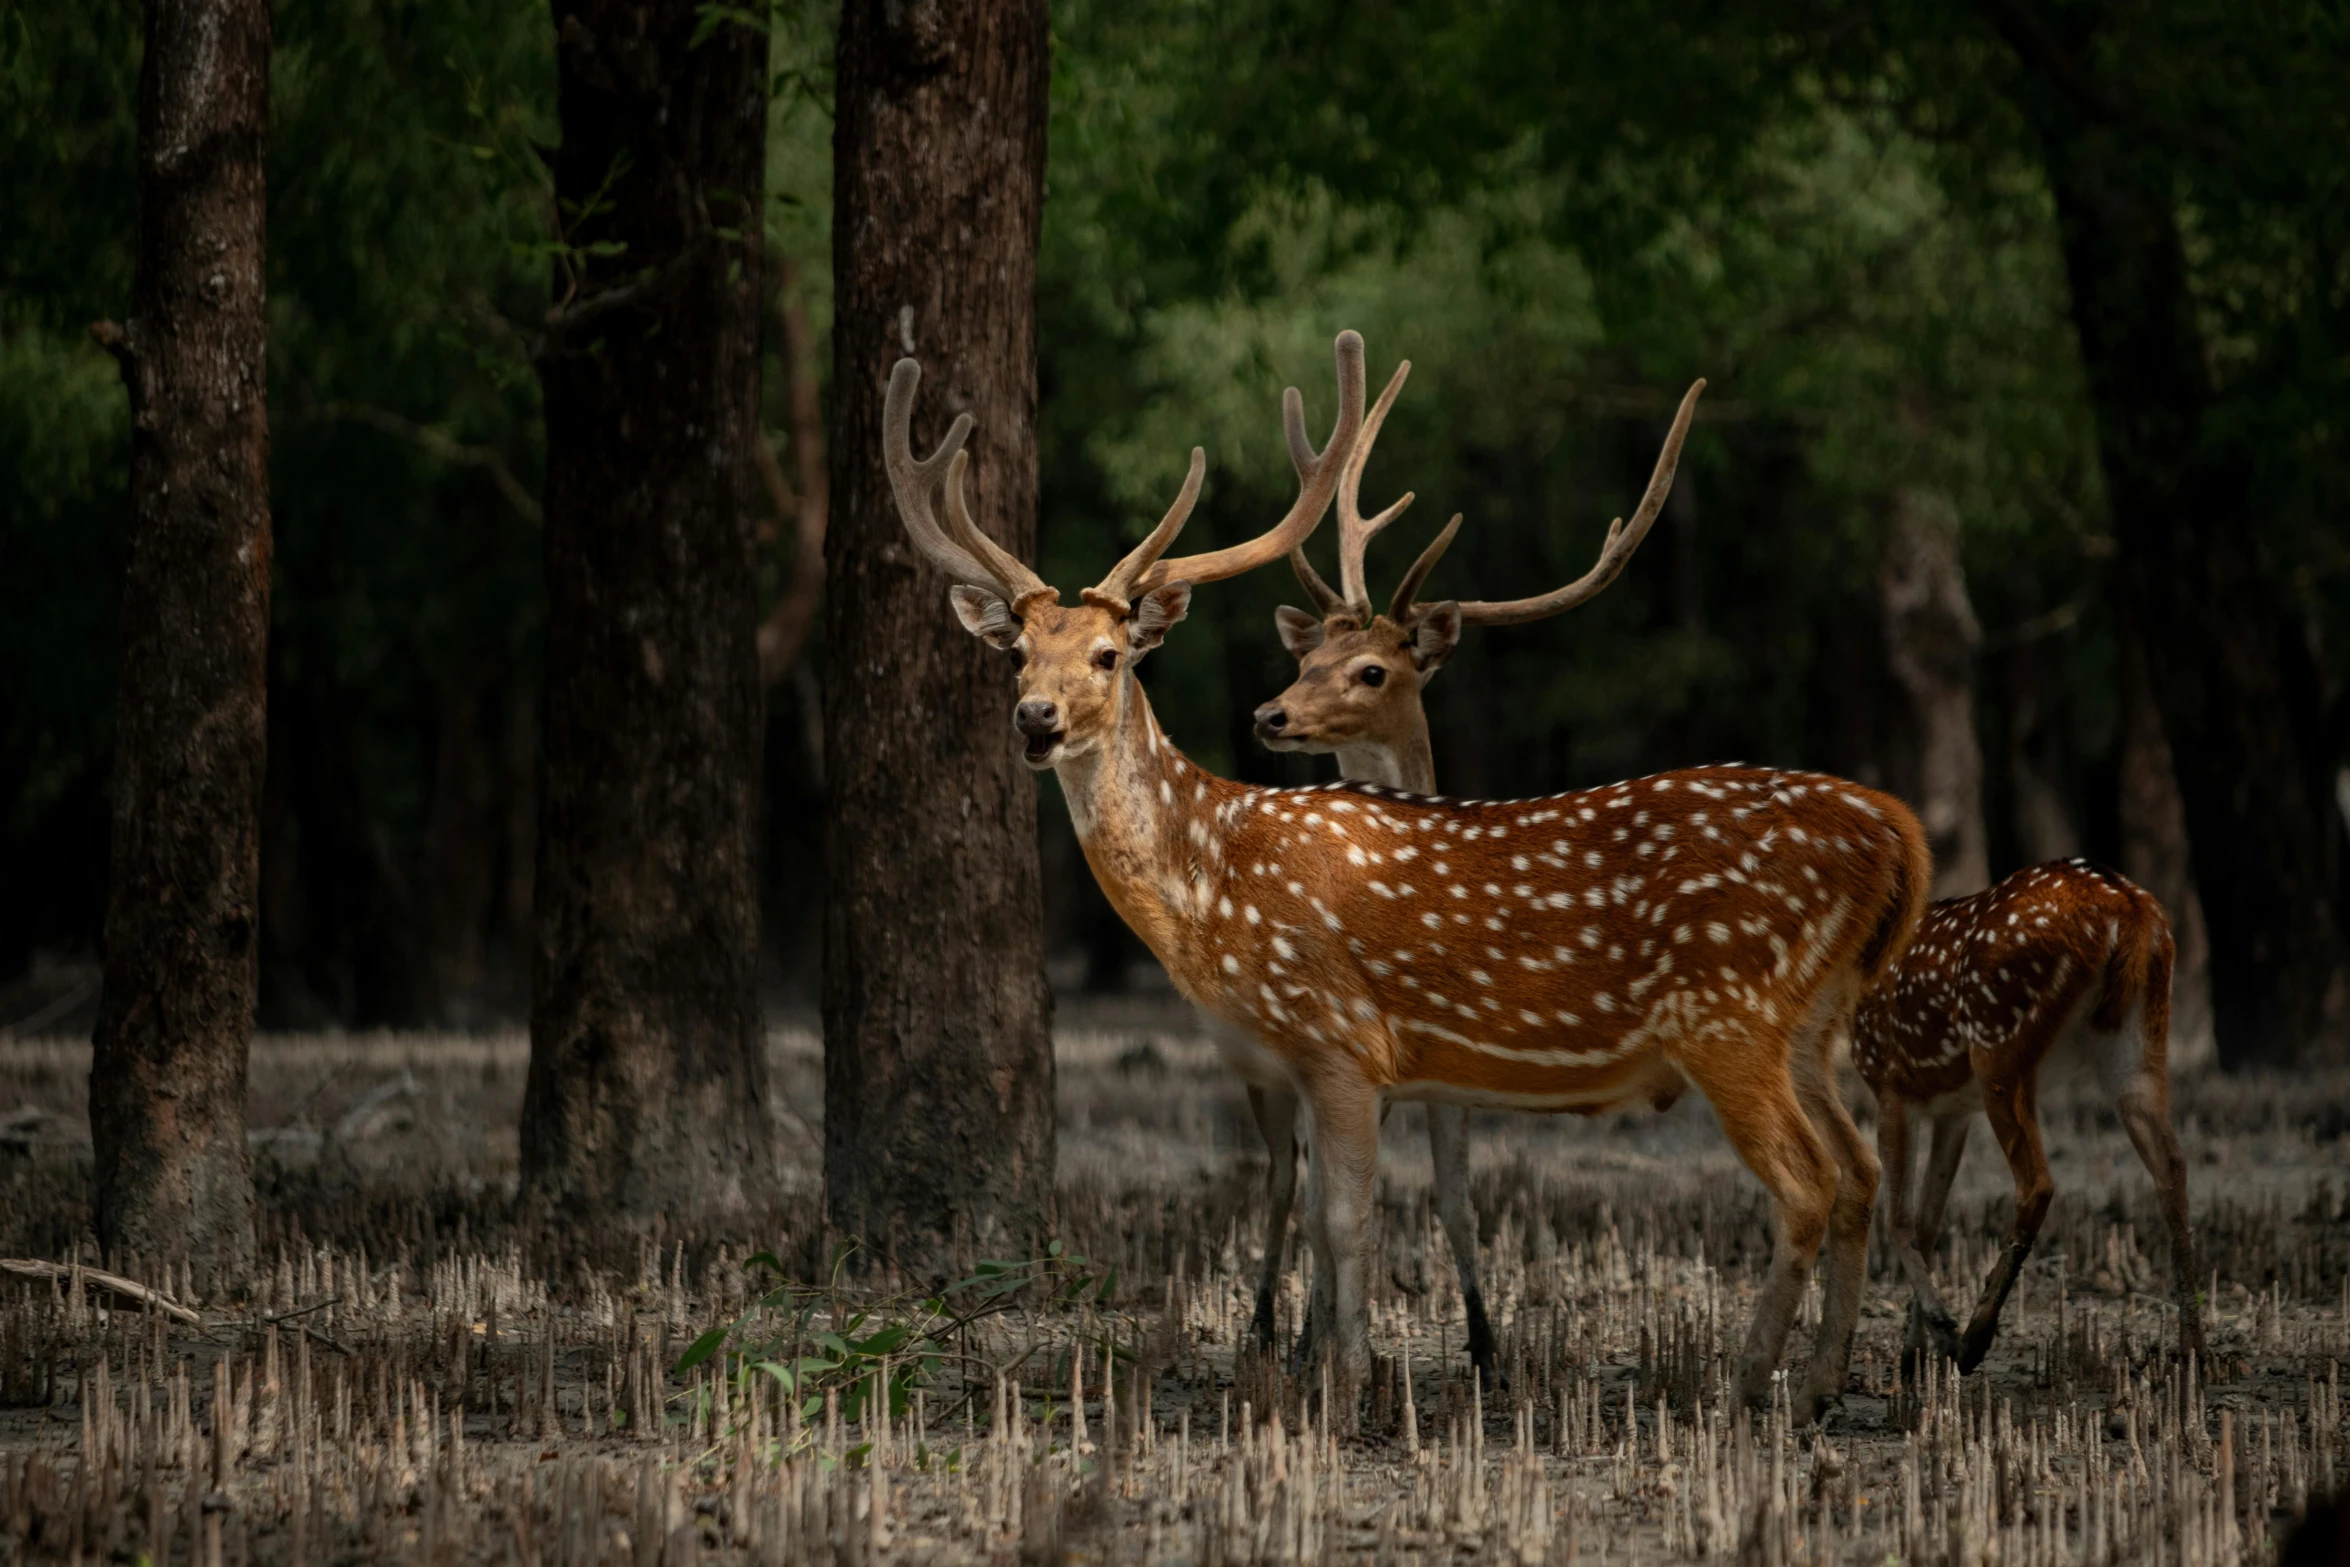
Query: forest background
(1894,530)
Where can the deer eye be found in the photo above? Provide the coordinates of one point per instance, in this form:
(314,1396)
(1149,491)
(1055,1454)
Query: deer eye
(1373,675)
(1105,658)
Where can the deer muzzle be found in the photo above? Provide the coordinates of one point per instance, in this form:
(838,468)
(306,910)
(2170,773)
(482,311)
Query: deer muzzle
(1039,724)
(1273,727)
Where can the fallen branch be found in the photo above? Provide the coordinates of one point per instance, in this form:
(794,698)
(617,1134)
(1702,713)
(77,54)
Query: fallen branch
(114,1283)
(364,1119)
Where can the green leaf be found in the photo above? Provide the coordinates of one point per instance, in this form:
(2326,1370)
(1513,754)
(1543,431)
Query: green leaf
(700,1350)
(883,1342)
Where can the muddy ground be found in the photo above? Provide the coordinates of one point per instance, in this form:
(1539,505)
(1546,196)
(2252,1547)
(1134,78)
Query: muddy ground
(416,1379)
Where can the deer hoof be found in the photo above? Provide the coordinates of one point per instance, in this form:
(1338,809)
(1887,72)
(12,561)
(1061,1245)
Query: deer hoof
(1812,1406)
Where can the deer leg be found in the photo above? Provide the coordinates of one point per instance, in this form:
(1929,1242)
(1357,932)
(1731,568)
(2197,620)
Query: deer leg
(1275,1111)
(2144,1106)
(2014,1114)
(1847,1252)
(1931,1323)
(1755,1101)
(1343,1168)
(1925,1302)
(1448,1149)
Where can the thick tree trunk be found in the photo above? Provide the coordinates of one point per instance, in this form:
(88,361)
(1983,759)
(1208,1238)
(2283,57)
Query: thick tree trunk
(1930,640)
(2036,761)
(938,1066)
(648,1087)
(167,1077)
(2155,855)
(2217,628)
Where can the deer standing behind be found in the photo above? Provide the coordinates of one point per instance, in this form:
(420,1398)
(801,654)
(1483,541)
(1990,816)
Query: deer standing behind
(1587,950)
(1273,1102)
(2061,966)
(1357,696)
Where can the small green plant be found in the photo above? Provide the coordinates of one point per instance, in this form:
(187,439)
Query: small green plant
(811,1339)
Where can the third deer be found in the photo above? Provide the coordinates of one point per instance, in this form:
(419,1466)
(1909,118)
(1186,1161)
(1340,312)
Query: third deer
(2060,965)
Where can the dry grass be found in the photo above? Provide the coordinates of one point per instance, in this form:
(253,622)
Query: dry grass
(406,1385)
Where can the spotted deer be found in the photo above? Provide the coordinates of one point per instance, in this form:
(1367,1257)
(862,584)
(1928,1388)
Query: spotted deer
(1273,1102)
(2062,967)
(1357,695)
(1713,926)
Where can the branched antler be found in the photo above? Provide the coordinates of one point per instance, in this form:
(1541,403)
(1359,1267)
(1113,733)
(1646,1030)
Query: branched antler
(1355,531)
(1318,475)
(1622,539)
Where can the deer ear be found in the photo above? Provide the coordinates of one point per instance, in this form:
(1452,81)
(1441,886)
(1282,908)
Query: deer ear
(1301,633)
(1155,613)
(1436,631)
(985,616)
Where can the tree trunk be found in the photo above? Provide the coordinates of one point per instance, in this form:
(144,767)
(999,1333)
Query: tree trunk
(167,1075)
(2036,761)
(1930,641)
(648,1086)
(2154,851)
(938,1065)
(2218,632)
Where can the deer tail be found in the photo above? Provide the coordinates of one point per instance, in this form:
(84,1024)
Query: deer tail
(2138,974)
(1905,897)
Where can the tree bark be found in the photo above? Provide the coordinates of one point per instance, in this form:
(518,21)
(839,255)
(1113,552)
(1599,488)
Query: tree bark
(647,1093)
(167,1074)
(1930,638)
(2218,634)
(938,1094)
(2154,851)
(2036,758)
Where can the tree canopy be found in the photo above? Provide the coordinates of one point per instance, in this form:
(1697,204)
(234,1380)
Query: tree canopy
(1841,215)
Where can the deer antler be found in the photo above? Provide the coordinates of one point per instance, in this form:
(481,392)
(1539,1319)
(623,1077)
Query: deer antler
(971,557)
(1401,605)
(1354,531)
(1318,476)
(1622,540)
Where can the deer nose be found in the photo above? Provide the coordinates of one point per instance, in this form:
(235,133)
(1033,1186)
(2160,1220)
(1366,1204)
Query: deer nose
(1271,719)
(1035,717)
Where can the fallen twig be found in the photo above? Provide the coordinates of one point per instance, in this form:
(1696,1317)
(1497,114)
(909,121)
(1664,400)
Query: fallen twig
(115,1283)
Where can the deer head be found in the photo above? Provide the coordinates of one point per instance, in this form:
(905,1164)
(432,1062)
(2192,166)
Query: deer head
(1360,674)
(1075,661)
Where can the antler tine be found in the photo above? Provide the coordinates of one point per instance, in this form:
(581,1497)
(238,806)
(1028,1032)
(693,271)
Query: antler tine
(1622,540)
(1355,532)
(1326,598)
(913,481)
(1115,589)
(1318,475)
(1409,588)
(1023,583)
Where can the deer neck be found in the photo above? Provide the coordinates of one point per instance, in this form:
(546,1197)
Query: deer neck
(1149,822)
(1405,762)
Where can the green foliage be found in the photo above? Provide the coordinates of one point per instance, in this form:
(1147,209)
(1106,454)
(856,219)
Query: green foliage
(810,1340)
(1561,215)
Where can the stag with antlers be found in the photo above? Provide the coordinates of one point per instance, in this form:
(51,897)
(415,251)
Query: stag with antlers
(1357,695)
(1714,926)
(2060,968)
